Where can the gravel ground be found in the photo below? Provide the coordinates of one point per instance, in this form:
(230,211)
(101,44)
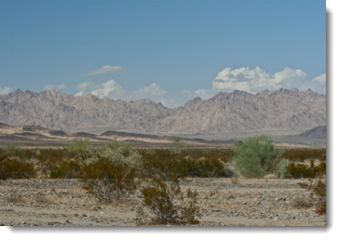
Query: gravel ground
(249,202)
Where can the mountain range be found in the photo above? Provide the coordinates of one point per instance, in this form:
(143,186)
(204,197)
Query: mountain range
(238,111)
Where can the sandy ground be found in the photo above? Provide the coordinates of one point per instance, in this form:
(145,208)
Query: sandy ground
(249,202)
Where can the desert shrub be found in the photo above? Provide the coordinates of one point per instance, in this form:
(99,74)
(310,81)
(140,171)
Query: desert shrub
(68,168)
(150,151)
(27,154)
(178,145)
(317,188)
(125,147)
(168,204)
(108,180)
(13,168)
(256,156)
(205,168)
(13,149)
(165,164)
(118,152)
(50,160)
(79,146)
(282,168)
(301,202)
(303,154)
(303,171)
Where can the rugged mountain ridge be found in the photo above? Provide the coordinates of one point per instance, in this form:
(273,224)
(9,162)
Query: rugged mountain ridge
(225,112)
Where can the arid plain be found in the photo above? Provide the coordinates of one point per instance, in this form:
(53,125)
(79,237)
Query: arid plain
(231,201)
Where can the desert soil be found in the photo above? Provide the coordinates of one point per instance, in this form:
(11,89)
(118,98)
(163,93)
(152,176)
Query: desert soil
(249,202)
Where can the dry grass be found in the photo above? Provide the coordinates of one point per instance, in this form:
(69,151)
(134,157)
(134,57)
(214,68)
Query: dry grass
(234,179)
(301,202)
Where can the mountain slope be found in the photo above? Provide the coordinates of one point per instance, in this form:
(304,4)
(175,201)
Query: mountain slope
(226,112)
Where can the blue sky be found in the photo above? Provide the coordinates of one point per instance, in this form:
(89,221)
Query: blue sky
(168,51)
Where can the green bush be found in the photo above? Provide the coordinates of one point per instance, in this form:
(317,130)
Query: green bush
(109,181)
(13,149)
(118,152)
(178,145)
(256,156)
(167,203)
(79,146)
(282,167)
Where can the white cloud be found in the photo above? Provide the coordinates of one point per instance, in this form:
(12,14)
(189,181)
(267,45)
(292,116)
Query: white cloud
(318,84)
(321,79)
(110,89)
(153,91)
(255,80)
(48,86)
(61,86)
(5,90)
(79,93)
(105,69)
(85,86)
(250,80)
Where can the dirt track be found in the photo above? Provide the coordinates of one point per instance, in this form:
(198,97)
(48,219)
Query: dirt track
(249,202)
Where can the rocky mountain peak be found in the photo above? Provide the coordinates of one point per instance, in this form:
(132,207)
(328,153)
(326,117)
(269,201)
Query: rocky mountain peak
(225,112)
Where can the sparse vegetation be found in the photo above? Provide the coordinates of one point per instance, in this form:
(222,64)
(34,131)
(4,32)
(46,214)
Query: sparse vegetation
(13,168)
(109,181)
(317,188)
(164,164)
(178,145)
(168,204)
(256,156)
(13,149)
(303,171)
(79,146)
(282,168)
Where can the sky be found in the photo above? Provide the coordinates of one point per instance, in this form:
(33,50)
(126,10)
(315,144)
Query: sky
(166,51)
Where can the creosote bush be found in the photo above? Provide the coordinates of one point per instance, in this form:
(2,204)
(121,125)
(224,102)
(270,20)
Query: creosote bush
(68,168)
(110,173)
(13,168)
(165,164)
(303,171)
(79,146)
(168,204)
(116,151)
(317,188)
(13,149)
(256,156)
(109,181)
(178,145)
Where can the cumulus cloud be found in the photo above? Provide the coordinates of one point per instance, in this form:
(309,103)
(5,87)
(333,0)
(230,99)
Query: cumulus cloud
(111,89)
(61,86)
(51,86)
(250,80)
(153,91)
(5,90)
(48,86)
(105,69)
(321,79)
(318,84)
(255,80)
